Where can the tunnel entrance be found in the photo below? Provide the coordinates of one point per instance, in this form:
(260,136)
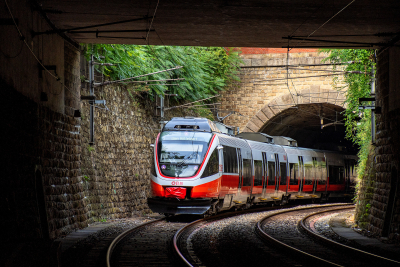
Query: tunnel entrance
(317,126)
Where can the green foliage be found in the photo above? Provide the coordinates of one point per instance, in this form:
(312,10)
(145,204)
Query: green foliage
(86,178)
(90,148)
(358,128)
(206,70)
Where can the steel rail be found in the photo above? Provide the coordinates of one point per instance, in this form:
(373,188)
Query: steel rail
(301,224)
(122,236)
(266,237)
(217,217)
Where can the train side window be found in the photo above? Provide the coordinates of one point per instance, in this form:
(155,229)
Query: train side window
(283,174)
(257,172)
(308,174)
(247,177)
(212,165)
(271,173)
(336,175)
(230,159)
(293,169)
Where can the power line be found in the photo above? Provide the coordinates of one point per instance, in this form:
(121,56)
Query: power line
(302,77)
(147,36)
(326,21)
(126,79)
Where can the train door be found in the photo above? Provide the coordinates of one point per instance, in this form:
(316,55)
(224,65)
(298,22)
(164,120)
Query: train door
(283,178)
(308,181)
(301,173)
(314,173)
(265,171)
(239,153)
(271,186)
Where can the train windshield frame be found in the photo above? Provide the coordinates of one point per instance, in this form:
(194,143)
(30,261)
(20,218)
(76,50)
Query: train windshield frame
(180,154)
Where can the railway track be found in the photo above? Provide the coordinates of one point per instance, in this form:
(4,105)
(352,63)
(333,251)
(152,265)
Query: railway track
(230,240)
(145,245)
(162,242)
(195,248)
(286,230)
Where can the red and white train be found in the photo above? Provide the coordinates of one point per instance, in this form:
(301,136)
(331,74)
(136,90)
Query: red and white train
(198,169)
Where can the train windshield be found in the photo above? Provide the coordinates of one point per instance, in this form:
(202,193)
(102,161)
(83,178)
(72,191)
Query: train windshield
(181,153)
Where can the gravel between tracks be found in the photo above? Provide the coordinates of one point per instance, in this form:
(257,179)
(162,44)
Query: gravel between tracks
(233,242)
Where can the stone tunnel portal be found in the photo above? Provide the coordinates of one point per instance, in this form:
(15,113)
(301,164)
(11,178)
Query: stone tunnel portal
(313,125)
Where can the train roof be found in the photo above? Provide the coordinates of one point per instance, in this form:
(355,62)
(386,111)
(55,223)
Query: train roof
(190,124)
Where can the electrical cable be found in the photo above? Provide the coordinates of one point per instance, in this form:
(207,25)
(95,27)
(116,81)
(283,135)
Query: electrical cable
(151,24)
(36,58)
(326,22)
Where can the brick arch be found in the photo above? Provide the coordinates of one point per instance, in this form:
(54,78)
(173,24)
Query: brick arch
(285,101)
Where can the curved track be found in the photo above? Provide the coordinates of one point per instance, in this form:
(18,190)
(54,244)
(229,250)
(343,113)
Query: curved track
(285,229)
(217,247)
(145,245)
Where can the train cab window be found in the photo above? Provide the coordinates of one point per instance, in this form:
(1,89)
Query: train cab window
(293,169)
(271,173)
(212,165)
(283,174)
(247,176)
(230,160)
(336,175)
(258,173)
(308,174)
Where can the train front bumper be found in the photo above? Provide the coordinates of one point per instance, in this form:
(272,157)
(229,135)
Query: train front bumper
(175,206)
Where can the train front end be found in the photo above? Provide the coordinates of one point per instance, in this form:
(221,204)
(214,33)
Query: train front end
(186,173)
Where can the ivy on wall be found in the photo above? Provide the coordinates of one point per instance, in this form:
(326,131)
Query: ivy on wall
(358,124)
(206,70)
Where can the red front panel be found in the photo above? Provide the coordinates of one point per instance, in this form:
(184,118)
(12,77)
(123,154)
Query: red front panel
(229,184)
(175,192)
(157,190)
(207,190)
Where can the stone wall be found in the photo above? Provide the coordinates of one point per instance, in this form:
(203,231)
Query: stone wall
(258,99)
(40,158)
(385,211)
(116,170)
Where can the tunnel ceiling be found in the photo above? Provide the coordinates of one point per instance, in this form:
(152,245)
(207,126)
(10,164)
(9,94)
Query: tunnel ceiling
(303,123)
(247,23)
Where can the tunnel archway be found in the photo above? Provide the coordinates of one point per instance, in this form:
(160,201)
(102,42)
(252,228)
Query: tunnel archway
(313,118)
(318,126)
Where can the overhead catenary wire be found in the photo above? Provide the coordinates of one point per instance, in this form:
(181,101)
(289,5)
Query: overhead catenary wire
(151,24)
(135,77)
(191,102)
(301,65)
(337,13)
(301,77)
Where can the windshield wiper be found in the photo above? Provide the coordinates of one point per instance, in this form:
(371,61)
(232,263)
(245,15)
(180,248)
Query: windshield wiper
(185,159)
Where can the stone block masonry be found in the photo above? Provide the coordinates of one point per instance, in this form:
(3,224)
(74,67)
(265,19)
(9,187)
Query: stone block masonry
(259,96)
(41,161)
(384,218)
(115,172)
